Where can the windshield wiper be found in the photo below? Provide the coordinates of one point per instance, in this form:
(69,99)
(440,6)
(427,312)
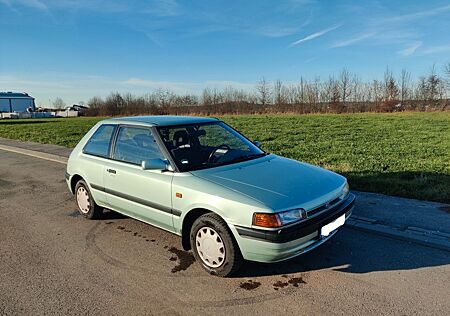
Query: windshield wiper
(247,157)
(206,165)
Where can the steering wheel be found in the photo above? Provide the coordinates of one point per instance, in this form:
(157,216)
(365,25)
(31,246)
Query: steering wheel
(223,146)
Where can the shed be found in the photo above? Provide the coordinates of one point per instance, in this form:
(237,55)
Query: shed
(16,102)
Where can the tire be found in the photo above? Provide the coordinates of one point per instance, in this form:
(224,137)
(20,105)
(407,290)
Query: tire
(86,204)
(209,233)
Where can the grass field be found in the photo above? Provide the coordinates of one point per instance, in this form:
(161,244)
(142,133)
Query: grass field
(403,154)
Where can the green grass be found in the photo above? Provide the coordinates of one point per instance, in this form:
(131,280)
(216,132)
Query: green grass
(404,154)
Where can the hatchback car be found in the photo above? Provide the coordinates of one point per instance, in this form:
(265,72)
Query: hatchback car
(200,179)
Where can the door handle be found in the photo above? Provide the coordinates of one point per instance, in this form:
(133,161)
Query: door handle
(111,171)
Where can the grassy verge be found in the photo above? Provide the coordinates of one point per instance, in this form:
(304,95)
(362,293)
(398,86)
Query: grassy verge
(404,154)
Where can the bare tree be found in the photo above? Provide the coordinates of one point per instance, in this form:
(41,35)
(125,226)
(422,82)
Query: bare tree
(344,93)
(331,93)
(377,93)
(278,92)
(264,93)
(434,83)
(390,86)
(405,80)
(344,82)
(59,103)
(302,90)
(447,74)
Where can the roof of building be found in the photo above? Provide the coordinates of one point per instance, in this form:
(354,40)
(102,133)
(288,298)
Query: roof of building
(18,95)
(164,120)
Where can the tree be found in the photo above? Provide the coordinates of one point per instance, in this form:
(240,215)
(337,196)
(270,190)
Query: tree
(59,103)
(377,93)
(264,93)
(390,87)
(433,86)
(405,79)
(278,93)
(344,82)
(447,74)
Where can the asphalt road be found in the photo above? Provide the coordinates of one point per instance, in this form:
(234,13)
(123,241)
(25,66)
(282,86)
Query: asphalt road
(54,262)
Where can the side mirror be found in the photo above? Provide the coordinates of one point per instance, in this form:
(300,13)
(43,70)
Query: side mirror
(155,164)
(257,144)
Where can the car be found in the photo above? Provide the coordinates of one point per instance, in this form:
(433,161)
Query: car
(199,178)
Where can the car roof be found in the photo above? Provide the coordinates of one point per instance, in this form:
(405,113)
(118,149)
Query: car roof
(161,120)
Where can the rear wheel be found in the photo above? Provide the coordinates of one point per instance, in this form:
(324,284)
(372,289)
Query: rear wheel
(214,246)
(86,204)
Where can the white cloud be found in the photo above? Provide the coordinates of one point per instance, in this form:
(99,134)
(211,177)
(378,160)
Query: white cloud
(436,49)
(163,8)
(418,15)
(35,4)
(277,31)
(410,49)
(155,84)
(315,35)
(74,88)
(185,87)
(353,40)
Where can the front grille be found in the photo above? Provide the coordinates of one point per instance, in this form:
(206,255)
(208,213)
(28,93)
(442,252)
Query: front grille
(322,208)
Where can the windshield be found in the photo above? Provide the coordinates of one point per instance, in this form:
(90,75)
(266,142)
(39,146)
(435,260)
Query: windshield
(207,145)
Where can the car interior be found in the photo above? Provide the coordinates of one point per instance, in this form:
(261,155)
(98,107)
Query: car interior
(185,147)
(136,148)
(195,146)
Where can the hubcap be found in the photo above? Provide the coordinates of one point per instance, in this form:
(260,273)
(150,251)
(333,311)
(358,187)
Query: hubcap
(210,247)
(83,200)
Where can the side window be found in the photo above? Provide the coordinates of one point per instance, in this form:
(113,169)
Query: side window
(136,144)
(100,142)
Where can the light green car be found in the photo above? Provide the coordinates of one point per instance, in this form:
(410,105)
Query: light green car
(199,178)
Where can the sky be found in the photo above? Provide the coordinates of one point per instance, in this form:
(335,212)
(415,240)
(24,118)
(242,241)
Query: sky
(79,49)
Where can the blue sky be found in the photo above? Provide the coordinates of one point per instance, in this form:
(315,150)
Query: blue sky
(78,49)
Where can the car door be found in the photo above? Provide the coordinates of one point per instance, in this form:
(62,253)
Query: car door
(142,194)
(95,154)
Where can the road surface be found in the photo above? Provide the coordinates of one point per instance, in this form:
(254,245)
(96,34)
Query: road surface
(52,261)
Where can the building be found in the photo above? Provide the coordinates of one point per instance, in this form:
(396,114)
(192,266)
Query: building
(80,109)
(16,102)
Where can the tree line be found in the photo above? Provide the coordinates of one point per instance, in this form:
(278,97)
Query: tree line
(345,93)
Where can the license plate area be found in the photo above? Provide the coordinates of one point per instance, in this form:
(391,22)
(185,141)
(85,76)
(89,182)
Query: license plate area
(326,230)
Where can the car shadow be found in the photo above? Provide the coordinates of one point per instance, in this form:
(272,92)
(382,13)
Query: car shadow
(349,251)
(353,251)
(109,214)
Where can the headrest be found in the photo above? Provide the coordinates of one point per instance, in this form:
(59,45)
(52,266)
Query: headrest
(180,138)
(143,139)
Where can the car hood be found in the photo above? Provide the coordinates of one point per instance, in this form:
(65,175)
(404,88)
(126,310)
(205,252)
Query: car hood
(278,183)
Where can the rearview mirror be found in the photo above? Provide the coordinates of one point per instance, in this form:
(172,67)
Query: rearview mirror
(257,144)
(155,164)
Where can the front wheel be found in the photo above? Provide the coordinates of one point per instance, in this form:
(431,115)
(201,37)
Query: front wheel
(86,204)
(214,246)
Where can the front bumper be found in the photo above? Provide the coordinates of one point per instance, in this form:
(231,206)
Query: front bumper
(285,243)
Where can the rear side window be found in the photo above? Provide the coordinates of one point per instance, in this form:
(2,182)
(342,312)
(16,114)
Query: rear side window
(135,145)
(100,142)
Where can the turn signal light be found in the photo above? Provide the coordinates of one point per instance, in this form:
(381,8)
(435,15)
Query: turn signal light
(266,220)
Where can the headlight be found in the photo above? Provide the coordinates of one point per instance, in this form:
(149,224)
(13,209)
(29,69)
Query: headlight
(345,191)
(271,220)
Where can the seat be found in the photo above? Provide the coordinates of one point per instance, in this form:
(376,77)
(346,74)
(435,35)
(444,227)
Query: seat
(143,140)
(183,152)
(181,139)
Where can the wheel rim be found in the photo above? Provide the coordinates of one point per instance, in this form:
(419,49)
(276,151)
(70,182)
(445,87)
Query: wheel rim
(210,247)
(83,200)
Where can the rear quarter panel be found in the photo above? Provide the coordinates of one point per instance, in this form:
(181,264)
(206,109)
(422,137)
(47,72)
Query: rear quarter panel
(88,167)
